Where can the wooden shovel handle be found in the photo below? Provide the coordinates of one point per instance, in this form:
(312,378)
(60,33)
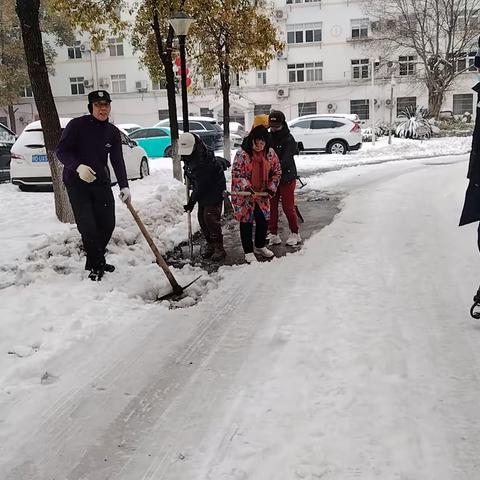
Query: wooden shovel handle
(247,194)
(160,261)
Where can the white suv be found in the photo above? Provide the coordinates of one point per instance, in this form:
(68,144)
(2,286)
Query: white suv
(29,164)
(334,133)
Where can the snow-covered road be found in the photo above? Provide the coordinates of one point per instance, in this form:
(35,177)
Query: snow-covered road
(353,359)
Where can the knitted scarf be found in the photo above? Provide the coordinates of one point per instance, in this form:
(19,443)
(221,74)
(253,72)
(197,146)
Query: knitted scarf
(260,169)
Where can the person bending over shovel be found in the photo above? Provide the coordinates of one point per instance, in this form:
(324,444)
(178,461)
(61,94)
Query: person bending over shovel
(84,148)
(207,178)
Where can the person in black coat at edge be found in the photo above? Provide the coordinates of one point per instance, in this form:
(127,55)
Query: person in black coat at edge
(84,149)
(285,147)
(471,207)
(207,178)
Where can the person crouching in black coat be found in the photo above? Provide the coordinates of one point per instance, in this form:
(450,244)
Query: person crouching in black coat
(207,179)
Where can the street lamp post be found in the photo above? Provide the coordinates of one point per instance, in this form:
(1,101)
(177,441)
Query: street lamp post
(181,23)
(392,84)
(373,101)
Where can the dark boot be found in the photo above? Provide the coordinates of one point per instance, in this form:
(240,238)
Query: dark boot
(208,251)
(96,274)
(219,252)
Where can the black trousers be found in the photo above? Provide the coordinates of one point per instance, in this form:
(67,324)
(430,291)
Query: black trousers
(209,219)
(94,210)
(246,229)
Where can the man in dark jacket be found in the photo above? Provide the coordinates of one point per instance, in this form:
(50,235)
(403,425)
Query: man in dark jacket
(285,147)
(471,207)
(86,144)
(207,179)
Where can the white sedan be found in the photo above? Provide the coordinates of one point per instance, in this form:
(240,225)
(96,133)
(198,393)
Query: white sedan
(29,164)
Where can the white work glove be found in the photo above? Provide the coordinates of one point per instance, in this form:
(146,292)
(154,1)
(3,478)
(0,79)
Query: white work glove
(86,173)
(124,194)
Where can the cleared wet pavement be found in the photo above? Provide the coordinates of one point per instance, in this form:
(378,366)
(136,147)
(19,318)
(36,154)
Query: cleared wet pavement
(317,209)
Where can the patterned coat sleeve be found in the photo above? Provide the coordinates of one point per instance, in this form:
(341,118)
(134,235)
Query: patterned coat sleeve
(275,171)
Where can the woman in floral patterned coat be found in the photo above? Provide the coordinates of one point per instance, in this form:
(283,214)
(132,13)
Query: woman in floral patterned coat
(256,173)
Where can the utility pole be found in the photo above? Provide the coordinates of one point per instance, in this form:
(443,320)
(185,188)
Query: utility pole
(373,101)
(392,84)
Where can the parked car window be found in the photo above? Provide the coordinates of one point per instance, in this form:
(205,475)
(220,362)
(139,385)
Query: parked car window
(158,133)
(140,134)
(195,126)
(337,124)
(301,124)
(321,124)
(6,135)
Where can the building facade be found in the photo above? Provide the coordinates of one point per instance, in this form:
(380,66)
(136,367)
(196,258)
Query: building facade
(326,66)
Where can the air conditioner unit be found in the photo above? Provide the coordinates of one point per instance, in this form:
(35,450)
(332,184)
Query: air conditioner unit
(141,85)
(282,92)
(282,55)
(280,14)
(332,107)
(88,83)
(388,103)
(104,82)
(84,47)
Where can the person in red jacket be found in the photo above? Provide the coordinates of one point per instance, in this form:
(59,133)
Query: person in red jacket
(84,149)
(285,147)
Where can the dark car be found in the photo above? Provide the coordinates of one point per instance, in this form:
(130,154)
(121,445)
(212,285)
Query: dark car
(7,139)
(205,127)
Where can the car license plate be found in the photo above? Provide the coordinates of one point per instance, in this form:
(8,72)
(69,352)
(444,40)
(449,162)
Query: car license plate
(39,158)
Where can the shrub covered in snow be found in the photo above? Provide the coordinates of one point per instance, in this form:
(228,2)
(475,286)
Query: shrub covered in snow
(414,123)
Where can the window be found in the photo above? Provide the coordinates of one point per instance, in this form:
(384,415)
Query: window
(74,51)
(157,132)
(119,83)
(321,124)
(302,124)
(206,112)
(360,68)
(192,126)
(159,84)
(361,108)
(27,92)
(76,86)
(261,77)
(115,46)
(406,64)
(360,28)
(304,33)
(462,103)
(313,32)
(262,108)
(305,72)
(307,108)
(465,62)
(162,114)
(405,102)
(468,22)
(234,79)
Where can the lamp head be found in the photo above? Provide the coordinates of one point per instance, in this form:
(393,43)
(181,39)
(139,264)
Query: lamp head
(181,23)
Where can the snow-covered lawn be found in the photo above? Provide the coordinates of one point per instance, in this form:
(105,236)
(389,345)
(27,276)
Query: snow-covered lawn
(354,358)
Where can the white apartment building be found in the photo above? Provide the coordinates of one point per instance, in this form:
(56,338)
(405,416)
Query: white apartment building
(325,67)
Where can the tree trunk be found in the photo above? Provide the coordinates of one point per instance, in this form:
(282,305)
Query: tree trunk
(165,56)
(11,117)
(28,14)
(435,101)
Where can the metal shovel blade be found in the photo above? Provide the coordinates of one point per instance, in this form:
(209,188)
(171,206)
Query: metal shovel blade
(176,292)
